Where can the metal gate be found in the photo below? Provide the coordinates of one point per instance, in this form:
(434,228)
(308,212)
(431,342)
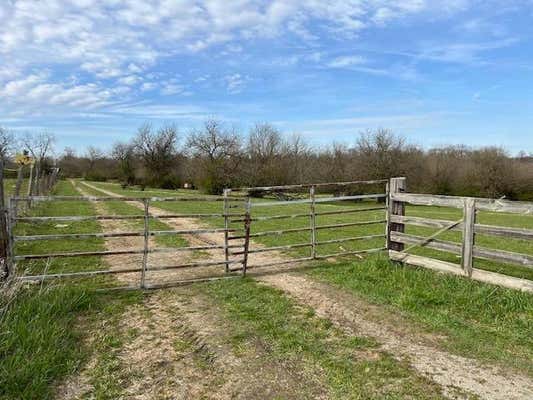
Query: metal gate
(246,233)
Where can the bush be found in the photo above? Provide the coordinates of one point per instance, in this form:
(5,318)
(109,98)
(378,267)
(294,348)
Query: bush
(96,177)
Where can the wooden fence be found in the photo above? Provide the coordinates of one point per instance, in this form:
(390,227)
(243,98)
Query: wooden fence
(467,249)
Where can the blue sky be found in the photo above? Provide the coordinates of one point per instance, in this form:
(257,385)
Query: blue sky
(437,72)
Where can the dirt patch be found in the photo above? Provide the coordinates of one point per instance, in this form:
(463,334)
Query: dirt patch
(454,373)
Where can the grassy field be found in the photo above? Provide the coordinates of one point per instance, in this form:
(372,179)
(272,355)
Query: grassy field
(296,335)
(471,318)
(43,326)
(509,244)
(501,332)
(64,208)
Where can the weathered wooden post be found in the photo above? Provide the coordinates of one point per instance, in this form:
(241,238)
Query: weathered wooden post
(30,185)
(226,227)
(396,208)
(10,221)
(467,248)
(3,225)
(247,224)
(313,221)
(146,203)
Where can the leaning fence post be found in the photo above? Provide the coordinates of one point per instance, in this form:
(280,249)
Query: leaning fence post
(396,208)
(30,186)
(226,227)
(146,241)
(247,223)
(313,221)
(10,215)
(467,248)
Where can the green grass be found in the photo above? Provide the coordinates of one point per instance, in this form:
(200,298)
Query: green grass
(293,334)
(122,208)
(63,208)
(42,328)
(478,320)
(491,242)
(300,222)
(509,244)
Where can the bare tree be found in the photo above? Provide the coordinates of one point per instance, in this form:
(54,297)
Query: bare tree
(158,153)
(492,172)
(124,154)
(92,155)
(217,154)
(264,149)
(6,142)
(40,147)
(296,157)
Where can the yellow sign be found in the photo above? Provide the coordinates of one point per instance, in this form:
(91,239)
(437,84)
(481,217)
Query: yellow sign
(23,159)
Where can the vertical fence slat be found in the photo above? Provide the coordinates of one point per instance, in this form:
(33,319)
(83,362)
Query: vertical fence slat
(3,224)
(387,214)
(247,226)
(146,250)
(226,227)
(397,185)
(10,220)
(469,220)
(313,221)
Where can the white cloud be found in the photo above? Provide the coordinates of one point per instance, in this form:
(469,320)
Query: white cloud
(129,80)
(172,88)
(36,93)
(346,61)
(235,83)
(461,52)
(112,43)
(147,86)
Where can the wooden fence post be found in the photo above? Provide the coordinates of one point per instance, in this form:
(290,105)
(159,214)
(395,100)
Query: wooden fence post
(467,249)
(146,242)
(226,227)
(30,186)
(10,215)
(313,221)
(3,225)
(397,185)
(247,224)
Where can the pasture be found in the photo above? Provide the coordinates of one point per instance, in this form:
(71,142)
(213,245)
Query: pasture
(346,327)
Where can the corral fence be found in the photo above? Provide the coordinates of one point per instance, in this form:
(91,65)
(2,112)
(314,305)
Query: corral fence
(241,225)
(400,243)
(146,233)
(306,198)
(237,231)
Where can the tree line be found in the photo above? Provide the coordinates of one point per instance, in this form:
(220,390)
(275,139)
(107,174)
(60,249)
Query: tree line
(216,156)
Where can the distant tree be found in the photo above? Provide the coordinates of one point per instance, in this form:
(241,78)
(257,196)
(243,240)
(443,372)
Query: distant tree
(158,153)
(41,147)
(92,155)
(6,142)
(446,167)
(296,159)
(492,172)
(217,155)
(124,154)
(265,152)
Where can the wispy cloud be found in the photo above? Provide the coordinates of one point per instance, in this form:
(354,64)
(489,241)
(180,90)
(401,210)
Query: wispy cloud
(346,61)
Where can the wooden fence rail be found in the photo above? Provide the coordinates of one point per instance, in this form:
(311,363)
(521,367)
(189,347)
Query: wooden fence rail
(467,249)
